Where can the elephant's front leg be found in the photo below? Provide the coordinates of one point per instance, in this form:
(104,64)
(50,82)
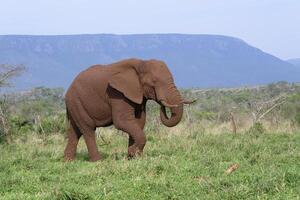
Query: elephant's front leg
(137,138)
(140,116)
(136,143)
(124,118)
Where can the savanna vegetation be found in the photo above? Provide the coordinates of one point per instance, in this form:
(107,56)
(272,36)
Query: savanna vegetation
(233,143)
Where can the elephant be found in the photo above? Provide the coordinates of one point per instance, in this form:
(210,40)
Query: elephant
(116,94)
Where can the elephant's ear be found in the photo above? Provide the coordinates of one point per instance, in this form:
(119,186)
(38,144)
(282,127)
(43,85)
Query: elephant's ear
(127,82)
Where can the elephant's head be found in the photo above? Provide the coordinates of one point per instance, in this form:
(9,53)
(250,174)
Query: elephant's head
(150,79)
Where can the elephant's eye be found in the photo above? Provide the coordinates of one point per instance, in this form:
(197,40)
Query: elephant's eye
(154,81)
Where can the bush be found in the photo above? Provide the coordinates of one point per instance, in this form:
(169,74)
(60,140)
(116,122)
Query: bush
(52,124)
(297,119)
(257,128)
(20,125)
(205,115)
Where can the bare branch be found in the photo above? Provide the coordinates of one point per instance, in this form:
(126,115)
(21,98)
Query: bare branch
(4,121)
(260,109)
(270,109)
(9,71)
(233,123)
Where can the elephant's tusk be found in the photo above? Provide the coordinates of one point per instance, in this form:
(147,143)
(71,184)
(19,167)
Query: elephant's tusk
(189,102)
(168,105)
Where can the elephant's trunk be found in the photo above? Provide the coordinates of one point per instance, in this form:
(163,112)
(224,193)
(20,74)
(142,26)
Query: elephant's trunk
(176,115)
(174,102)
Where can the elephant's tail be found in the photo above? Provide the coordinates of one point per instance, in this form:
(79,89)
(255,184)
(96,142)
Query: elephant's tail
(68,123)
(67,115)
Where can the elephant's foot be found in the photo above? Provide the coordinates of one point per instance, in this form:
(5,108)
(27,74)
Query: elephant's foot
(134,152)
(69,156)
(95,158)
(68,159)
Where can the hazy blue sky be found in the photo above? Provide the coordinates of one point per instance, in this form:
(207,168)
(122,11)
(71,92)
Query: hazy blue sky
(271,25)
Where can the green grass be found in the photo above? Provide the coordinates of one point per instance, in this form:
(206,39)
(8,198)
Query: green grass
(174,166)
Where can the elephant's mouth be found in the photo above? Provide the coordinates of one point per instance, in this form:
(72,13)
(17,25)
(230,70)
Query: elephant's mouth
(164,103)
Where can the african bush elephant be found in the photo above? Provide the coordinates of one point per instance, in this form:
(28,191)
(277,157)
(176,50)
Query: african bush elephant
(116,94)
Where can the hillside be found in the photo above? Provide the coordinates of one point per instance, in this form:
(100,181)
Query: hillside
(195,60)
(295,61)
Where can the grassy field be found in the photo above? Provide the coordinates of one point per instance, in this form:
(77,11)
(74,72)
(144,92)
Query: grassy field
(175,165)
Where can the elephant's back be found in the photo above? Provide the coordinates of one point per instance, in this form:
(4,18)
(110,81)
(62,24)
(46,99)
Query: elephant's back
(93,73)
(93,78)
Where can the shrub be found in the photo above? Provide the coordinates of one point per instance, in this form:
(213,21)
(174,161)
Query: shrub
(257,128)
(297,119)
(20,125)
(52,124)
(205,115)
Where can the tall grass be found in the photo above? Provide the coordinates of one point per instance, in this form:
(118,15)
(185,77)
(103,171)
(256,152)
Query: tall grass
(178,163)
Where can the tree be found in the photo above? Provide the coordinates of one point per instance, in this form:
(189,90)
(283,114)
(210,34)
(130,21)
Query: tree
(260,109)
(7,72)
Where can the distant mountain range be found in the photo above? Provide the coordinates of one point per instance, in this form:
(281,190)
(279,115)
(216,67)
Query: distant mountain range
(195,60)
(295,61)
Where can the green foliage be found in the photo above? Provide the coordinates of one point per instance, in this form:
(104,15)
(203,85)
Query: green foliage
(52,124)
(240,101)
(257,128)
(291,107)
(242,96)
(37,102)
(297,119)
(72,195)
(205,115)
(42,107)
(20,125)
(39,110)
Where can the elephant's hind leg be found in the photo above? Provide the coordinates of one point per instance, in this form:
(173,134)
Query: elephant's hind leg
(90,140)
(73,137)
